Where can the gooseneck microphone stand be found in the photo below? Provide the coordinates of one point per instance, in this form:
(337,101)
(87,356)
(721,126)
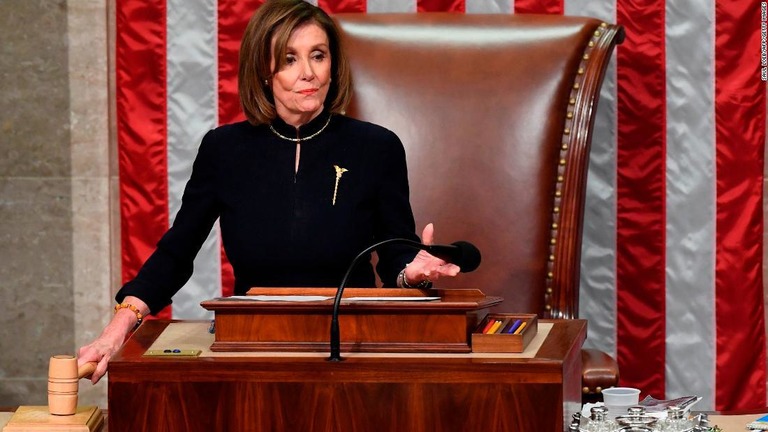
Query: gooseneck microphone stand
(335,337)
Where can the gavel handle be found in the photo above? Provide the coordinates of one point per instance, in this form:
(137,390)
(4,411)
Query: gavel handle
(86,369)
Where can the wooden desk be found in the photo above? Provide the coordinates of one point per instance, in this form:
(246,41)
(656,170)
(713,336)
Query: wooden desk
(448,392)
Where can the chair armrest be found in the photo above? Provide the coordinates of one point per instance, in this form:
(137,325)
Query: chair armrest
(598,371)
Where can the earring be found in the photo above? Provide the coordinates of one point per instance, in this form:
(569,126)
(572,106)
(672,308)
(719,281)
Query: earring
(266,82)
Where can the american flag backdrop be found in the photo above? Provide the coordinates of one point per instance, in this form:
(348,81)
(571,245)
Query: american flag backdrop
(672,257)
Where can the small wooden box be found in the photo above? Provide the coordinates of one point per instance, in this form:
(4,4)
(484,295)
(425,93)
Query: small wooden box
(501,341)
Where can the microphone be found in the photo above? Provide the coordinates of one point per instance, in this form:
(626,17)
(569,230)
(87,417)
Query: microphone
(462,253)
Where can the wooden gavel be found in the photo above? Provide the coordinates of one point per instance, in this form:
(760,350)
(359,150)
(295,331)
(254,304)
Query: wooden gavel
(63,377)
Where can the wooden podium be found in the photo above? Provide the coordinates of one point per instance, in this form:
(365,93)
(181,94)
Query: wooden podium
(380,325)
(422,383)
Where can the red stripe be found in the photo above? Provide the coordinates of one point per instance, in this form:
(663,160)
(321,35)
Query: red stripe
(740,139)
(551,7)
(233,16)
(232,20)
(340,6)
(440,6)
(640,237)
(140,74)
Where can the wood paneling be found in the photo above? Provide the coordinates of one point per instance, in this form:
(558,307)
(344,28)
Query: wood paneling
(287,393)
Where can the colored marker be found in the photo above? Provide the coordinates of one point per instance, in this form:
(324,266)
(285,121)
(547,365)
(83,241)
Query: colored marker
(520,329)
(495,327)
(488,326)
(504,324)
(514,326)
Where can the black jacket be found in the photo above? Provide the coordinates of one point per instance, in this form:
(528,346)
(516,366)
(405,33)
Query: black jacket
(281,228)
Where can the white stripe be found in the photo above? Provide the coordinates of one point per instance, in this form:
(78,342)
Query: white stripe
(391,6)
(192,110)
(691,191)
(603,9)
(488,6)
(598,252)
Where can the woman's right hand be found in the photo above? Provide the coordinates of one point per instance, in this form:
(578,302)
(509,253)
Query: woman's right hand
(111,339)
(426,267)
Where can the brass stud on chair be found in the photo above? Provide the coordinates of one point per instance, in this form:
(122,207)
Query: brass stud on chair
(564,147)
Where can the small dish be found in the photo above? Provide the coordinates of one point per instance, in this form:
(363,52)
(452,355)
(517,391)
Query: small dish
(635,429)
(630,420)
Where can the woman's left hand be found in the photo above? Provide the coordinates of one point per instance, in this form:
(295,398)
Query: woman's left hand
(426,267)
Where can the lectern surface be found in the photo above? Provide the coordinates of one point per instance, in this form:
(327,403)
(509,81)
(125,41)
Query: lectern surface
(194,338)
(294,393)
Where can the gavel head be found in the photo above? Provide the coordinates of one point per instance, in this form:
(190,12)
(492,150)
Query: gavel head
(63,377)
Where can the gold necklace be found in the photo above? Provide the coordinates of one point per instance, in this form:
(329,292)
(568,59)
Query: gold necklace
(301,139)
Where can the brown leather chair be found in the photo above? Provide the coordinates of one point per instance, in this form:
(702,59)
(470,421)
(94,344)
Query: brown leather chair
(496,113)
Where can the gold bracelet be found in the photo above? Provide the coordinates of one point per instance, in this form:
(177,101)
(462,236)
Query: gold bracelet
(134,309)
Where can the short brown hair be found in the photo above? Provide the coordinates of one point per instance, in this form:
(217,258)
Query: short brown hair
(278,19)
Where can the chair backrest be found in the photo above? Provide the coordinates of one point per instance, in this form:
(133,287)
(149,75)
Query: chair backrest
(496,114)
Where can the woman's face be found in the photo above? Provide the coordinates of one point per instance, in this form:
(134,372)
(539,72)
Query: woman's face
(301,86)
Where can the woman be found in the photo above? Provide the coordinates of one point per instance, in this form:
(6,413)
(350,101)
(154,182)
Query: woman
(299,188)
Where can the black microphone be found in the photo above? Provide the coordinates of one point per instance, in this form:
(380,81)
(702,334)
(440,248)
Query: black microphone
(463,254)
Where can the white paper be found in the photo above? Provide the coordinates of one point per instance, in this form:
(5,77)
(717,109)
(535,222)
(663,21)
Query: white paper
(311,298)
(286,298)
(393,298)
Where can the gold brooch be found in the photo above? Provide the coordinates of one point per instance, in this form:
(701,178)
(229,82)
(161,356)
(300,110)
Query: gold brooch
(339,172)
